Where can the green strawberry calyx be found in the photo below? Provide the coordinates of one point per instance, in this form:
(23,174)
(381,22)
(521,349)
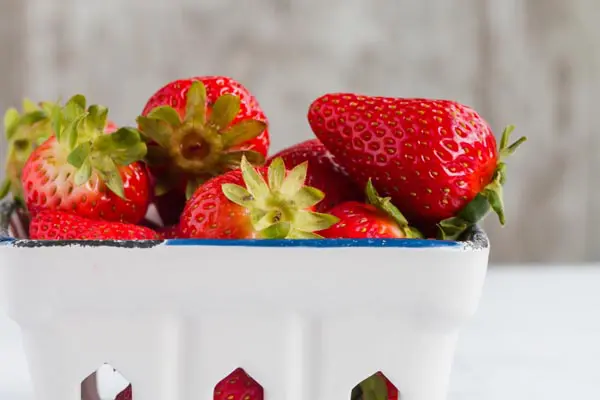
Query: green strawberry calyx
(80,130)
(489,199)
(281,207)
(385,205)
(204,142)
(24,132)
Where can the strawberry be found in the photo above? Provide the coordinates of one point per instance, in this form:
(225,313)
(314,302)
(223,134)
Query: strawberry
(168,232)
(84,171)
(323,172)
(378,219)
(238,386)
(24,132)
(59,225)
(200,128)
(242,205)
(375,387)
(436,159)
(125,394)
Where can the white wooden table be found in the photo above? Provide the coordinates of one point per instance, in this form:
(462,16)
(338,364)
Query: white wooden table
(536,336)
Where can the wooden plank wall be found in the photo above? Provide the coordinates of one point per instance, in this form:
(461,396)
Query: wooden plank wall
(534,63)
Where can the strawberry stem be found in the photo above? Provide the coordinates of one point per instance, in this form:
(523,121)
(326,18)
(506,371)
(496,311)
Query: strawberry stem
(5,189)
(279,209)
(202,144)
(90,150)
(489,199)
(385,205)
(24,132)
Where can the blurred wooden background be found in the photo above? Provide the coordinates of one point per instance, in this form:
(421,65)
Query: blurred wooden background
(533,63)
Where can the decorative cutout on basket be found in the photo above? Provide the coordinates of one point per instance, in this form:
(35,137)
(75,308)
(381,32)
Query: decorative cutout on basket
(375,387)
(238,386)
(106,383)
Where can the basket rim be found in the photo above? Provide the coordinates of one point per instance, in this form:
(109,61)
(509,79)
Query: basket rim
(473,239)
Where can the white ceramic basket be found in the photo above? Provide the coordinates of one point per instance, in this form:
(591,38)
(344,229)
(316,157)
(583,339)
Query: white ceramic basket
(307,319)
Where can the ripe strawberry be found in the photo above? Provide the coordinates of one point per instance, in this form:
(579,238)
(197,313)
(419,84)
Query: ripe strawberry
(437,159)
(200,128)
(125,394)
(241,205)
(323,173)
(375,387)
(238,386)
(169,232)
(59,225)
(86,172)
(379,219)
(24,133)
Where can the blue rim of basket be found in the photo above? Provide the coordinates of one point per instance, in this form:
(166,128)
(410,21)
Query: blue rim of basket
(475,238)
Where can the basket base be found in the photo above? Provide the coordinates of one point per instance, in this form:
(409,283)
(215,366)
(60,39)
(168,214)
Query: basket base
(292,358)
(304,322)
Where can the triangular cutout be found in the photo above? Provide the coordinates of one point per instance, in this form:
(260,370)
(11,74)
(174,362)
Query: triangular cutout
(375,387)
(238,386)
(106,383)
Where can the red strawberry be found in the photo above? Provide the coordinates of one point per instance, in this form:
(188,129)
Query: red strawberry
(323,173)
(125,394)
(241,205)
(378,219)
(86,172)
(24,133)
(59,225)
(375,387)
(200,128)
(437,159)
(168,232)
(238,386)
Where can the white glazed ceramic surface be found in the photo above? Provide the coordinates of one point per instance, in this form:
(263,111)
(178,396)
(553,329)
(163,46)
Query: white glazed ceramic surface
(307,319)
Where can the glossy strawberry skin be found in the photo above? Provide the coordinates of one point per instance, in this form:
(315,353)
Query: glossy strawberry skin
(48,183)
(174,95)
(210,215)
(431,156)
(323,173)
(58,225)
(238,386)
(169,232)
(361,221)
